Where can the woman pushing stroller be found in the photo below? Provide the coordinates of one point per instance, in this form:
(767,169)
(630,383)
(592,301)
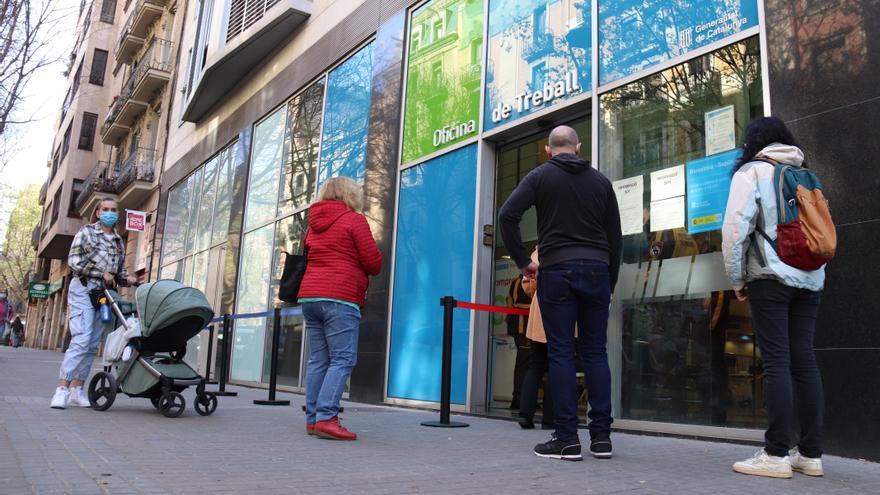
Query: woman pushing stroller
(96,257)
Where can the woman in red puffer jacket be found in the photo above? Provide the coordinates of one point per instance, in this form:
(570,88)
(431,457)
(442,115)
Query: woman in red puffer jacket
(341,255)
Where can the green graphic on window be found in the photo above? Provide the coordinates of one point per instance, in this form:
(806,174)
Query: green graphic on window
(443,76)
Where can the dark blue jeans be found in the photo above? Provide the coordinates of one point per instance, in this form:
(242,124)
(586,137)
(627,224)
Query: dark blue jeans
(785,324)
(577,292)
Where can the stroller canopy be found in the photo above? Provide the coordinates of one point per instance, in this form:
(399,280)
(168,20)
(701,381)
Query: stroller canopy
(166,303)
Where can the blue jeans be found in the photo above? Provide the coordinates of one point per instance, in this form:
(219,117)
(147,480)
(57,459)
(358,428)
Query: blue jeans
(86,331)
(333,337)
(577,292)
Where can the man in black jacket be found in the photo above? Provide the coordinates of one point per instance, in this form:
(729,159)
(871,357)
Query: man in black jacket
(579,242)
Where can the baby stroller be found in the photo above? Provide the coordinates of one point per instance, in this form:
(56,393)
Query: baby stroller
(148,352)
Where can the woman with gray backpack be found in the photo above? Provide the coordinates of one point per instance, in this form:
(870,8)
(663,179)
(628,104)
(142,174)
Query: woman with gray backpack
(777,238)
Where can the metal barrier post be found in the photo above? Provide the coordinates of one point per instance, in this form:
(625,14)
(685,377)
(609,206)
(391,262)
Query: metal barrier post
(448,303)
(210,355)
(224,358)
(273,368)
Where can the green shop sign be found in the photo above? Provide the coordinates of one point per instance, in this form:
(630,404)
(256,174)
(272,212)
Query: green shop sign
(56,285)
(39,290)
(443,76)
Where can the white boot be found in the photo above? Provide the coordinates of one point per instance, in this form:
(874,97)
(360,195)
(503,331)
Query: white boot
(811,466)
(763,464)
(59,400)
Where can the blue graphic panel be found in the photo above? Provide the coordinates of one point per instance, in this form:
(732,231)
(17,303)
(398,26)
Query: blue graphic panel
(346,118)
(538,55)
(434,258)
(708,185)
(635,35)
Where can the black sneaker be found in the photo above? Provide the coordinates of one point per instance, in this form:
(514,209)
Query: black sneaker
(568,450)
(601,448)
(526,423)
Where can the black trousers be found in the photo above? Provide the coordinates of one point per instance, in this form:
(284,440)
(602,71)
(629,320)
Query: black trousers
(785,324)
(538,366)
(519,368)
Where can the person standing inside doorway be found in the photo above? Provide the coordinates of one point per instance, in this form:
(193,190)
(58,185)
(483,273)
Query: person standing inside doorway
(784,302)
(6,314)
(96,258)
(579,245)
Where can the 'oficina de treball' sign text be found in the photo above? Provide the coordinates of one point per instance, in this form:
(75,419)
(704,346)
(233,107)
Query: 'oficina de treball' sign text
(532,99)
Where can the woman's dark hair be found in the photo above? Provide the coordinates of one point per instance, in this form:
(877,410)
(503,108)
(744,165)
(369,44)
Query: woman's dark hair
(761,133)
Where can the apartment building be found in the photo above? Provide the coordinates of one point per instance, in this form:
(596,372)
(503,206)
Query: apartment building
(116,102)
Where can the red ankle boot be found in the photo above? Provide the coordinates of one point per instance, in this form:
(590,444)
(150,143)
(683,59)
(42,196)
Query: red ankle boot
(333,430)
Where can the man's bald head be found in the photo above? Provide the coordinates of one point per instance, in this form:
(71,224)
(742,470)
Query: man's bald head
(563,139)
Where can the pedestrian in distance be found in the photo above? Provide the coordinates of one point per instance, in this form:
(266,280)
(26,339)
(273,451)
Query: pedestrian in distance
(6,314)
(96,260)
(341,254)
(580,246)
(17,329)
(784,302)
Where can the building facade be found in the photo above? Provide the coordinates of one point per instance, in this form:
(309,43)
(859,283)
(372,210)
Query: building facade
(441,107)
(122,137)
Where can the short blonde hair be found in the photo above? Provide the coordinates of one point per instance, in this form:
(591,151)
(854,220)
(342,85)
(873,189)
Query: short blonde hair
(343,189)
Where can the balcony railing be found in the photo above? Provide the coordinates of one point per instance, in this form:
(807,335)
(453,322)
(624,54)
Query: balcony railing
(541,45)
(121,114)
(35,237)
(139,166)
(136,27)
(153,70)
(43,191)
(100,180)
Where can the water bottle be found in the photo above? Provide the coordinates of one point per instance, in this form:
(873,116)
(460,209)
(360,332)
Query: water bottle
(105,311)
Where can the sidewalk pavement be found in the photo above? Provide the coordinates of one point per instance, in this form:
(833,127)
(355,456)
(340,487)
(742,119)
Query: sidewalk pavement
(244,448)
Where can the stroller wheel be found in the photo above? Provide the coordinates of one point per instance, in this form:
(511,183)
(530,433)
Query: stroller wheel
(172,405)
(102,391)
(155,401)
(206,404)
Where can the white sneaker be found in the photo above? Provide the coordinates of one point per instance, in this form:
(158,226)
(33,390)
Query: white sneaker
(78,398)
(59,400)
(763,464)
(808,465)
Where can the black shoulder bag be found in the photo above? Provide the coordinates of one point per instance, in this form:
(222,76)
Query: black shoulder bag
(292,276)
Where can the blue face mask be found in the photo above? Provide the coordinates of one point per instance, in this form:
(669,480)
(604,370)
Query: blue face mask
(108,218)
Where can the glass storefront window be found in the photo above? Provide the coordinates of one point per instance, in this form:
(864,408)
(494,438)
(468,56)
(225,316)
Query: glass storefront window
(539,55)
(434,258)
(223,199)
(443,76)
(253,297)
(302,142)
(193,205)
(687,346)
(268,152)
(175,221)
(635,35)
(205,205)
(347,118)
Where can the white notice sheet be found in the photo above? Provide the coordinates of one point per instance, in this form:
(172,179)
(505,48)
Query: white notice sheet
(667,214)
(667,183)
(630,193)
(720,130)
